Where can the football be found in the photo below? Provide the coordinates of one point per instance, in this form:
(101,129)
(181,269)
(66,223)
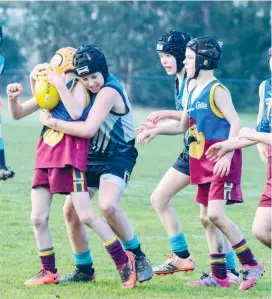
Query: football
(46,94)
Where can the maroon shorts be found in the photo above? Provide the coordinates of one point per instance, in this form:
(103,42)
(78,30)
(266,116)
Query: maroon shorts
(266,197)
(60,180)
(232,193)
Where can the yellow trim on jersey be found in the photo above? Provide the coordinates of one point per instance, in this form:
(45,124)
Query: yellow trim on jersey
(196,94)
(75,80)
(215,110)
(45,253)
(106,244)
(223,260)
(240,249)
(52,137)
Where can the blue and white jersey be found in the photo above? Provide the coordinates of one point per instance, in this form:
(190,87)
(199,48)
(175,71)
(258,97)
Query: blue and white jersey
(181,98)
(115,138)
(181,102)
(265,124)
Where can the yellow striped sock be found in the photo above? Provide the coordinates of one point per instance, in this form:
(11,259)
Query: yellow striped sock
(109,243)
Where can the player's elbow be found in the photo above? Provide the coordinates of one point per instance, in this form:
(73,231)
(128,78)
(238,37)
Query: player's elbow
(16,116)
(87,132)
(75,116)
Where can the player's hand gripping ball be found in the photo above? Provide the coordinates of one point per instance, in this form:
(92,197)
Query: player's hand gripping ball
(46,94)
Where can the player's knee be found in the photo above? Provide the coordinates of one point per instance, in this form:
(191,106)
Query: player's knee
(39,220)
(157,202)
(108,209)
(261,233)
(204,220)
(154,200)
(69,213)
(214,218)
(86,218)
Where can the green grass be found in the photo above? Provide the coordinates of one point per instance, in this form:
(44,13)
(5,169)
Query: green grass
(19,261)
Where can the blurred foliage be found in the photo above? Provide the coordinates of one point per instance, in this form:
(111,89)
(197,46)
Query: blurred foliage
(128,31)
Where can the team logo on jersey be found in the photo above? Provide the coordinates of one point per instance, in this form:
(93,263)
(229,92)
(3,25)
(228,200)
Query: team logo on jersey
(196,141)
(52,137)
(201,105)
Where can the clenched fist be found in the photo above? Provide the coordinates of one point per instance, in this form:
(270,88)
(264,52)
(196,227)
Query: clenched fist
(14,90)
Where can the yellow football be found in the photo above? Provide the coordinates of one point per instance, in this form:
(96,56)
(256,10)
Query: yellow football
(46,94)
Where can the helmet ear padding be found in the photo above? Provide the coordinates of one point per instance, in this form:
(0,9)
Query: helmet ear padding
(64,58)
(174,43)
(208,53)
(90,59)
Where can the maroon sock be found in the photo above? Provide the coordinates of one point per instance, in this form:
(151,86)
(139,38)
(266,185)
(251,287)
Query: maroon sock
(117,253)
(48,262)
(244,253)
(219,265)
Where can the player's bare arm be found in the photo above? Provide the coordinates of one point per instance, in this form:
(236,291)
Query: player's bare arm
(255,136)
(17,110)
(74,101)
(224,103)
(262,148)
(105,101)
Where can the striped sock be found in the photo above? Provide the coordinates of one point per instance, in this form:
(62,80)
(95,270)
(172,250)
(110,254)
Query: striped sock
(179,246)
(244,253)
(231,265)
(219,265)
(116,252)
(47,257)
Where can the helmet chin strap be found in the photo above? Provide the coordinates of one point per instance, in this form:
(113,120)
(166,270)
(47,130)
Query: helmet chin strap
(197,68)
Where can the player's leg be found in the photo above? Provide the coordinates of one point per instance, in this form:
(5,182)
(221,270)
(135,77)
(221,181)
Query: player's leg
(232,273)
(4,172)
(216,245)
(108,195)
(123,262)
(84,271)
(262,225)
(262,222)
(87,216)
(41,202)
(251,268)
(110,192)
(180,260)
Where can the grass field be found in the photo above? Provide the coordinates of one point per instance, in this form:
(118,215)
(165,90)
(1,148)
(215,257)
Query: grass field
(19,260)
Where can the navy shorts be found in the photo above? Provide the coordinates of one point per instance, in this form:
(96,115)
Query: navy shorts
(182,164)
(115,172)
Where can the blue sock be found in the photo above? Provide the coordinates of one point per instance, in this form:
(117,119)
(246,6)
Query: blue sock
(179,245)
(2,154)
(231,265)
(83,258)
(84,262)
(132,244)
